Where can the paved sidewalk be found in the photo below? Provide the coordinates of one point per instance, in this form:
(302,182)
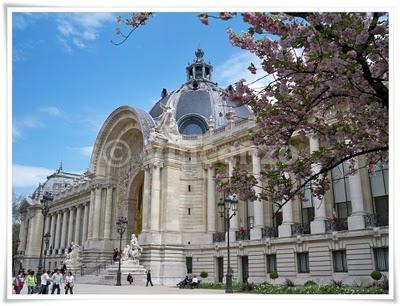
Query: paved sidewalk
(134,289)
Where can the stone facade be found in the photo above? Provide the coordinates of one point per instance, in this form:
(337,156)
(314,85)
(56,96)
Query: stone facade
(159,170)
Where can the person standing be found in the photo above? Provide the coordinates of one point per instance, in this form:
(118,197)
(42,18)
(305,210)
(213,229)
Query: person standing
(149,278)
(31,282)
(44,282)
(20,281)
(69,283)
(56,280)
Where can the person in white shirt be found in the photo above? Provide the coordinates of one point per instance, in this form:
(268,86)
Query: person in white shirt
(44,282)
(195,281)
(69,283)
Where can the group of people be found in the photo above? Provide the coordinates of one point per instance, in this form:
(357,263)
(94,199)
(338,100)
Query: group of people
(129,278)
(190,281)
(54,279)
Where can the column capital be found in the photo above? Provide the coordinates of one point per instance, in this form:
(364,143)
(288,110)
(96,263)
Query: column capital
(231,159)
(158,164)
(208,165)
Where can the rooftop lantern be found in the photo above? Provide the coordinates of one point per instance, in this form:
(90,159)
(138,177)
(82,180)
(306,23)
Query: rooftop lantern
(199,69)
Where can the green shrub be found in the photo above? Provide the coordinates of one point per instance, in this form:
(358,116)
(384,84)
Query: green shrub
(211,285)
(288,283)
(337,283)
(274,275)
(376,275)
(246,287)
(203,274)
(310,283)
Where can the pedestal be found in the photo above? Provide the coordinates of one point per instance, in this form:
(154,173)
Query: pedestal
(285,230)
(356,222)
(317,227)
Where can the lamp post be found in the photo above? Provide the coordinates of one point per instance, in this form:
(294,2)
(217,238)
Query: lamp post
(122,223)
(47,197)
(224,207)
(46,241)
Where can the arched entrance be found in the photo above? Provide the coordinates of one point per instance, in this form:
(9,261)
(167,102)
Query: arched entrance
(135,205)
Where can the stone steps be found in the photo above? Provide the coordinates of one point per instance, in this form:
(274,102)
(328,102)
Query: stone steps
(108,275)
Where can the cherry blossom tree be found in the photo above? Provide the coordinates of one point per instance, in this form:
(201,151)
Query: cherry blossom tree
(328,77)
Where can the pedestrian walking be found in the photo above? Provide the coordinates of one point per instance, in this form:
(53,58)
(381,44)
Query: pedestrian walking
(149,278)
(20,281)
(31,282)
(69,283)
(56,280)
(130,279)
(45,282)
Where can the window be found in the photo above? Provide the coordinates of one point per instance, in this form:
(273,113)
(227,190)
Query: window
(379,190)
(339,261)
(302,263)
(381,259)
(271,263)
(189,211)
(277,220)
(341,192)
(192,125)
(307,206)
(189,265)
(189,188)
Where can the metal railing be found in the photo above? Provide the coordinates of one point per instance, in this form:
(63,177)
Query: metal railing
(218,237)
(269,231)
(373,220)
(336,225)
(242,235)
(300,228)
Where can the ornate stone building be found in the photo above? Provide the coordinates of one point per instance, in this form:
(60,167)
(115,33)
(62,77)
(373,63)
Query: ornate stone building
(158,169)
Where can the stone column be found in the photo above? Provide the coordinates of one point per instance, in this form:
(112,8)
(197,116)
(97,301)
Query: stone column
(47,224)
(85,223)
(146,199)
(70,226)
(234,223)
(91,213)
(58,231)
(64,230)
(78,214)
(107,216)
(52,230)
(155,197)
(356,220)
(285,229)
(96,213)
(317,226)
(255,233)
(22,234)
(211,198)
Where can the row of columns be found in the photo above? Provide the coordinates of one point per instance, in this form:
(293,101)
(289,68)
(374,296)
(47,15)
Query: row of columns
(60,224)
(318,225)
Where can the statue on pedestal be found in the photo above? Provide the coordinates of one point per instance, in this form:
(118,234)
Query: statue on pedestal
(72,258)
(133,251)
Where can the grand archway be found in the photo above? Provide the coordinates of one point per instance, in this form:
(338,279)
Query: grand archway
(117,161)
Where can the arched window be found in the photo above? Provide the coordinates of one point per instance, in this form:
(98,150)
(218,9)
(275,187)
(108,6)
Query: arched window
(192,125)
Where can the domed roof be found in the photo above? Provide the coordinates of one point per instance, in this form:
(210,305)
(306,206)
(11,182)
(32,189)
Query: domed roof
(198,100)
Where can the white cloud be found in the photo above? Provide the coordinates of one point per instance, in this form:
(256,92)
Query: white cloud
(21,125)
(77,29)
(235,68)
(51,110)
(87,151)
(28,176)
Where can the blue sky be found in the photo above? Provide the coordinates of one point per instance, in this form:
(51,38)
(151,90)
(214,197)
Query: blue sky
(68,77)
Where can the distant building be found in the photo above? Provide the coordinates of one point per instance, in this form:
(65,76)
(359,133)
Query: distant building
(158,169)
